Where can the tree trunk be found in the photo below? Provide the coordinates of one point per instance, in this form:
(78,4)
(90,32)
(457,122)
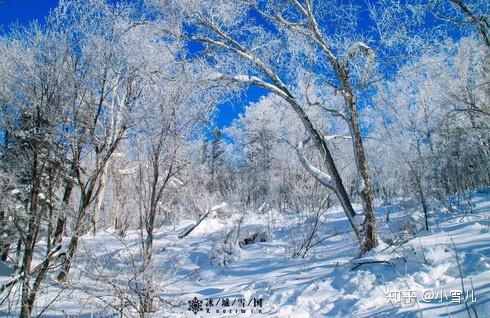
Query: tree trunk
(149,244)
(18,250)
(321,145)
(5,252)
(65,269)
(25,311)
(146,297)
(423,202)
(420,188)
(98,200)
(60,227)
(6,247)
(30,238)
(61,222)
(370,239)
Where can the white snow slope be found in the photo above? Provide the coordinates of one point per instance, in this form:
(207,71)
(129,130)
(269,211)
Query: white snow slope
(418,274)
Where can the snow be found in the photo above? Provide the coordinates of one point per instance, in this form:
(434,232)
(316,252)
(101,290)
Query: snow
(328,282)
(321,176)
(219,207)
(15,192)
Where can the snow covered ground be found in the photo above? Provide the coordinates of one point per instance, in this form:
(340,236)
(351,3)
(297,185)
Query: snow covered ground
(407,276)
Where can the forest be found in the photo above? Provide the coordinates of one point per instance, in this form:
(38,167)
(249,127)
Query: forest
(246,158)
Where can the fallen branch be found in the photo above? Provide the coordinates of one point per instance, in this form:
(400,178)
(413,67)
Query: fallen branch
(189,230)
(359,264)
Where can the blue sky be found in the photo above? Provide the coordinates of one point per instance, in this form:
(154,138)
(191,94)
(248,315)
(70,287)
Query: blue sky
(23,12)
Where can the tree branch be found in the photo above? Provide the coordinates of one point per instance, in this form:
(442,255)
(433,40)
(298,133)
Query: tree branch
(321,176)
(480,22)
(332,111)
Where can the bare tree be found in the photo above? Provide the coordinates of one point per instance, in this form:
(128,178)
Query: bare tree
(217,32)
(108,88)
(34,152)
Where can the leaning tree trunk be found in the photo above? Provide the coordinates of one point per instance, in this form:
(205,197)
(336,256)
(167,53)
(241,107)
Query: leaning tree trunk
(65,269)
(85,201)
(321,145)
(88,192)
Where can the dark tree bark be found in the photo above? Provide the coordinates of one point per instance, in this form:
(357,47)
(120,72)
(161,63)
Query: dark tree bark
(480,22)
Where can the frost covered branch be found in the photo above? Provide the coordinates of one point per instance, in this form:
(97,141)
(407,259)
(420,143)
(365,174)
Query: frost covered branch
(320,175)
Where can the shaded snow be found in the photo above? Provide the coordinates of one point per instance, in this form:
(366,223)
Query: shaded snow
(323,284)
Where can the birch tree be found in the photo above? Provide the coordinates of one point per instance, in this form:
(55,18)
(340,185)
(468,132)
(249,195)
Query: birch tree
(258,53)
(107,86)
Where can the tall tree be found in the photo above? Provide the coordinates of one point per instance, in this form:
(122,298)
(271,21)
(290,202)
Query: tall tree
(107,86)
(224,28)
(34,117)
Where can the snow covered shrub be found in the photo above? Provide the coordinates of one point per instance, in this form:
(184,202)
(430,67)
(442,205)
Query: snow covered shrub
(225,253)
(226,249)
